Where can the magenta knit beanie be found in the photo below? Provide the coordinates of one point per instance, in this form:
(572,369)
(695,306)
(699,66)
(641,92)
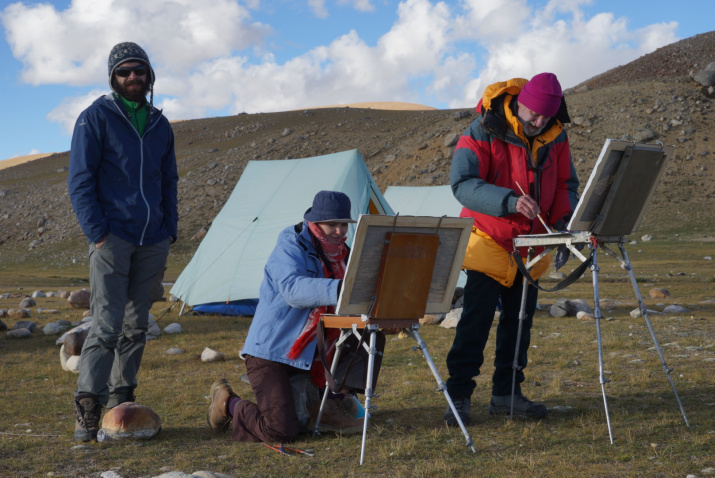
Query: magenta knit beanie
(542,94)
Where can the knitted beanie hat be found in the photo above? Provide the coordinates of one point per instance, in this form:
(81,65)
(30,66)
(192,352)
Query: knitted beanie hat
(542,94)
(129,51)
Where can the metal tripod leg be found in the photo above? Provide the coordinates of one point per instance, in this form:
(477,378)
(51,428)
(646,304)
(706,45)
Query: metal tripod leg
(515,364)
(644,311)
(597,313)
(372,330)
(333,367)
(413,332)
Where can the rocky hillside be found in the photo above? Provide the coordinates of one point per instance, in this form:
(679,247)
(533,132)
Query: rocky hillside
(654,98)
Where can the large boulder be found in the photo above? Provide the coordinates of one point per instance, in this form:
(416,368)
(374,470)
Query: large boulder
(129,421)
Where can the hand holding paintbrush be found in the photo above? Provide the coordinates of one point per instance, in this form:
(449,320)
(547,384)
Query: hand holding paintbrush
(548,229)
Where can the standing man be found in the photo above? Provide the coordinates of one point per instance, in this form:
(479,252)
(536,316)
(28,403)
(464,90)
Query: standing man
(517,144)
(122,183)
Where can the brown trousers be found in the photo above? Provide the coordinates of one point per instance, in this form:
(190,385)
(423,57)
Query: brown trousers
(272,418)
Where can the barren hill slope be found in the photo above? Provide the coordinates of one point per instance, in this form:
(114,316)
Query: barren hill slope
(652,97)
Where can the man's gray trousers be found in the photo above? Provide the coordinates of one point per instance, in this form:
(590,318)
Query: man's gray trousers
(120,277)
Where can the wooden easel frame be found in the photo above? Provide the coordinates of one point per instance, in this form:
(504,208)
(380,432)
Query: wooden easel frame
(370,264)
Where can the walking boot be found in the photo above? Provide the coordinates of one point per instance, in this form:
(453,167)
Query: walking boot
(87,411)
(463,405)
(523,407)
(218,416)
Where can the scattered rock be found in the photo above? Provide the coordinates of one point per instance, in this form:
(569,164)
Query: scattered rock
(581,315)
(75,340)
(175,351)
(647,238)
(27,302)
(25,324)
(675,309)
(563,308)
(79,299)
(18,313)
(84,327)
(210,355)
(432,318)
(173,328)
(54,328)
(659,293)
(69,362)
(18,333)
(38,294)
(451,319)
(451,140)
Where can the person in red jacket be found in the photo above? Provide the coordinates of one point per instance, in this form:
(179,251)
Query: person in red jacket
(512,164)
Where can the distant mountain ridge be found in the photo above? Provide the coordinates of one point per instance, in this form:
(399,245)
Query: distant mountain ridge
(400,147)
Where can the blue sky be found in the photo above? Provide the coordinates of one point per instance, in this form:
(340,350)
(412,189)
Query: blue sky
(223,57)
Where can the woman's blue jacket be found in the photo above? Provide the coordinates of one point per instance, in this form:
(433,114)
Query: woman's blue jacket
(293,284)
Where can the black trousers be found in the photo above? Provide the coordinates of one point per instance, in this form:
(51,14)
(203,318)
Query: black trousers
(481,295)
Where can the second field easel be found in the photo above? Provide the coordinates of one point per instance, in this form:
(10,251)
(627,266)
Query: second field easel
(612,206)
(400,269)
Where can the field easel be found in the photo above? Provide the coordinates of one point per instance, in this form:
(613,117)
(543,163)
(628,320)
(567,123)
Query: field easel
(612,206)
(400,268)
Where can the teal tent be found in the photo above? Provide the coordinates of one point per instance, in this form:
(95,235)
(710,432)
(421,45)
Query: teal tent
(423,201)
(269,196)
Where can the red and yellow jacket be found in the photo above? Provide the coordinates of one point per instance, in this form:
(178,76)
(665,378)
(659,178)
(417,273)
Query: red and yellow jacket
(491,160)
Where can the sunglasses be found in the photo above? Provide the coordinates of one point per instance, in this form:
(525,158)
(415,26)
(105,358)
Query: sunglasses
(124,72)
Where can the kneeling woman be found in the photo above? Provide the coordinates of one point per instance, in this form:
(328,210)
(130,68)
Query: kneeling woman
(302,279)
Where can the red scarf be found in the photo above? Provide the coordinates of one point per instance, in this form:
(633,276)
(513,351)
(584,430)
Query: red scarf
(335,269)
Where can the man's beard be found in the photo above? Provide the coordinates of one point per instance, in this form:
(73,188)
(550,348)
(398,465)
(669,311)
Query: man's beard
(137,96)
(529,129)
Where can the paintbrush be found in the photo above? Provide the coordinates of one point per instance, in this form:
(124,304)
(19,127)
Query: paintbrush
(548,229)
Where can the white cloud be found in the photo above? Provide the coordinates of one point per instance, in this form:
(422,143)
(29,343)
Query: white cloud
(210,55)
(360,5)
(71,46)
(318,8)
(558,39)
(68,110)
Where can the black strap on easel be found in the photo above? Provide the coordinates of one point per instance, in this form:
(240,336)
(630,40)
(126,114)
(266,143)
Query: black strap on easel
(323,356)
(578,272)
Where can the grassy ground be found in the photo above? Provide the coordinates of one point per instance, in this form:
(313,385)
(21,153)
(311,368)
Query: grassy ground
(407,437)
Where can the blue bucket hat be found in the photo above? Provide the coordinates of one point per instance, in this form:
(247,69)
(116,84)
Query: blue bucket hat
(329,206)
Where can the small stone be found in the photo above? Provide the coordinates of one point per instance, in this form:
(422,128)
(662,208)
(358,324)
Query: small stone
(175,351)
(25,324)
(675,309)
(27,302)
(79,299)
(659,293)
(54,328)
(210,355)
(647,238)
(173,328)
(18,333)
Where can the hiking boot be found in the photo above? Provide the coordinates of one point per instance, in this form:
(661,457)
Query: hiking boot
(87,411)
(338,416)
(218,416)
(523,407)
(462,405)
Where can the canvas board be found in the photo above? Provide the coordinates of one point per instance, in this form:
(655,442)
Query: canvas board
(621,186)
(361,275)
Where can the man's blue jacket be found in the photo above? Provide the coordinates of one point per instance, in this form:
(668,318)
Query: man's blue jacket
(120,182)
